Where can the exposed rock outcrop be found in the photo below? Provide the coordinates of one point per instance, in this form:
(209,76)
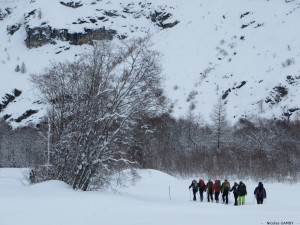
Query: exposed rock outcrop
(39,36)
(12,29)
(8,98)
(160,19)
(25,115)
(71,4)
(4,13)
(276,95)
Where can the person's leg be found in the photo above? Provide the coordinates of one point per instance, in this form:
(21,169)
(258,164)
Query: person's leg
(226,197)
(217,196)
(210,196)
(239,200)
(194,192)
(243,200)
(235,199)
(201,195)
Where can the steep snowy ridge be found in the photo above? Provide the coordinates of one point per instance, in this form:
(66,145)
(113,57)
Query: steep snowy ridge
(223,53)
(245,52)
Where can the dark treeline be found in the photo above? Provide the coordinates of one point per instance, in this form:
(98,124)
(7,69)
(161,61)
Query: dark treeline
(260,149)
(22,147)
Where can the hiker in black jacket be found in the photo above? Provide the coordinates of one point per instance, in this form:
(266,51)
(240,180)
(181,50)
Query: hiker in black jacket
(195,187)
(235,192)
(260,193)
(209,190)
(242,192)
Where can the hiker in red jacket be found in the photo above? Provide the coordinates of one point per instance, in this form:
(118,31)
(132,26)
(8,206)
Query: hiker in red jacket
(217,189)
(202,188)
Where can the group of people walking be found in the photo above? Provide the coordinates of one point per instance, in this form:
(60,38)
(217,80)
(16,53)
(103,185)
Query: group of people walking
(214,189)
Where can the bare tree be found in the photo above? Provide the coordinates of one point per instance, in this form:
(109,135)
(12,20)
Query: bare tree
(220,124)
(23,68)
(92,104)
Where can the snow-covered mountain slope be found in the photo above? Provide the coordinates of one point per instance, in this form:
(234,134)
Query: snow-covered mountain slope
(243,51)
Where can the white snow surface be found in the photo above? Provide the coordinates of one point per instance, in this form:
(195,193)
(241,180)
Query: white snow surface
(203,56)
(146,202)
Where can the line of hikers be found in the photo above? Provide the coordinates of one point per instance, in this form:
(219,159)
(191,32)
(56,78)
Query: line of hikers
(239,191)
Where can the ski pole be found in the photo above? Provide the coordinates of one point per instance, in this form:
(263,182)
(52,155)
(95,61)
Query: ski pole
(190,195)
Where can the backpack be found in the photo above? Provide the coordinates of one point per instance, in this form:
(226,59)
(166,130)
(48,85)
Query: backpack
(209,186)
(201,183)
(195,184)
(260,191)
(217,186)
(242,189)
(227,186)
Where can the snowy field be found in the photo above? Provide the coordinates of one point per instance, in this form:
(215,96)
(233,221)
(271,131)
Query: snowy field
(146,202)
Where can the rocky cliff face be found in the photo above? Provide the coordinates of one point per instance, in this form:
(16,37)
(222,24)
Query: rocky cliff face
(93,26)
(39,36)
